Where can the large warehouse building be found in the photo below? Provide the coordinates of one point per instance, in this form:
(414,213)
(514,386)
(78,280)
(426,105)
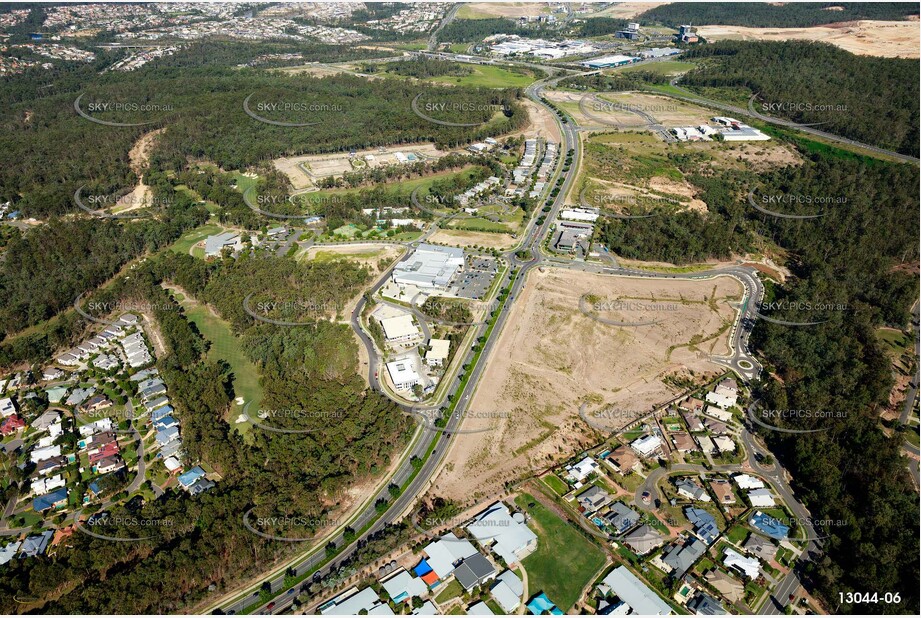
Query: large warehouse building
(429,266)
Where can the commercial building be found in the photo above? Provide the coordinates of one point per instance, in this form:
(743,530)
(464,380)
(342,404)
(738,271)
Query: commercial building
(605,62)
(403,374)
(580,214)
(571,236)
(218,242)
(400,328)
(429,266)
(439,350)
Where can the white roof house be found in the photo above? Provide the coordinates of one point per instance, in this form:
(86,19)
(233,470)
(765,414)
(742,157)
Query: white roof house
(447,551)
(438,352)
(750,567)
(401,586)
(647,445)
(581,470)
(403,374)
(352,602)
(629,589)
(761,497)
(723,415)
(507,599)
(725,444)
(7,407)
(41,454)
(747,481)
(706,444)
(399,328)
(722,397)
(508,535)
(103,424)
(216,243)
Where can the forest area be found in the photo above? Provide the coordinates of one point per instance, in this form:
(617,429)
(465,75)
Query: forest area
(201,109)
(774,15)
(310,368)
(869,99)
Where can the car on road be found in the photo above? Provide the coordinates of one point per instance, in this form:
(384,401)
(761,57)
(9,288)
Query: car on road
(270,606)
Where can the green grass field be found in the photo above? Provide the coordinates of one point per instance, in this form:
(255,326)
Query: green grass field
(188,240)
(224,346)
(487,77)
(664,67)
(556,484)
(450,591)
(564,560)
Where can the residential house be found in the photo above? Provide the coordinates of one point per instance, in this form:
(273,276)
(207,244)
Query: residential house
(446,553)
(693,421)
(725,444)
(479,609)
(11,425)
(747,481)
(761,498)
(647,446)
(731,589)
(167,435)
(95,403)
(354,602)
(688,488)
(748,566)
(761,547)
(716,427)
(7,407)
(35,545)
(683,442)
(53,500)
(705,605)
(505,534)
(704,524)
(643,540)
(578,472)
(401,586)
(723,490)
(721,415)
(769,526)
(109,464)
(507,591)
(691,405)
(474,571)
(623,460)
(681,556)
(188,479)
(52,373)
(592,499)
(621,517)
(639,598)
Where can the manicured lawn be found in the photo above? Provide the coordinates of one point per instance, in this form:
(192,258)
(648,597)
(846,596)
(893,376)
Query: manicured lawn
(564,560)
(737,534)
(457,610)
(488,77)
(188,240)
(224,346)
(554,482)
(663,67)
(491,604)
(449,592)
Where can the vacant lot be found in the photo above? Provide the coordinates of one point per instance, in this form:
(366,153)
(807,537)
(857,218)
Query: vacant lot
(626,10)
(550,358)
(369,256)
(890,39)
(486,10)
(464,238)
(564,560)
(304,170)
(484,76)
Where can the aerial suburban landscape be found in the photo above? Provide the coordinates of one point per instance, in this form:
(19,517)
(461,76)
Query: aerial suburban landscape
(432,308)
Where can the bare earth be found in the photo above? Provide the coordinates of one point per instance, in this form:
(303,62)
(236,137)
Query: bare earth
(541,122)
(503,9)
(321,166)
(889,39)
(626,10)
(550,358)
(463,238)
(139,157)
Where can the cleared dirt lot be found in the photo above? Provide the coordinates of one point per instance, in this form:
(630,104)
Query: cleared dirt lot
(890,39)
(483,10)
(305,169)
(551,358)
(463,238)
(369,256)
(626,10)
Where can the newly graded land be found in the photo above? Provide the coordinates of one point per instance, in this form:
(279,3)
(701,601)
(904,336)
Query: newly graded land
(550,358)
